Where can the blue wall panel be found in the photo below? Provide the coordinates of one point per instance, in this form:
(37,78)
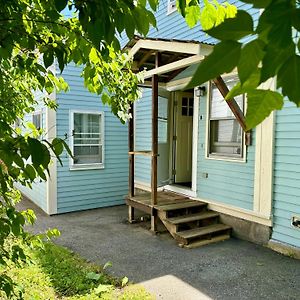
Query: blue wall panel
(38,192)
(286,203)
(227,182)
(85,189)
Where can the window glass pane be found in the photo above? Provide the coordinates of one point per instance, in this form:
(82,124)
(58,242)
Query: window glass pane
(37,121)
(184,111)
(87,138)
(162,119)
(218,107)
(225,137)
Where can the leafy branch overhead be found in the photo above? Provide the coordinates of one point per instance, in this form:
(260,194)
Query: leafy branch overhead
(261,47)
(35,37)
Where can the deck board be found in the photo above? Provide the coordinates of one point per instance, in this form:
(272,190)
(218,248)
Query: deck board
(163,199)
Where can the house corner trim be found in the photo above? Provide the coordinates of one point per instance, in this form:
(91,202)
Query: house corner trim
(51,195)
(264,156)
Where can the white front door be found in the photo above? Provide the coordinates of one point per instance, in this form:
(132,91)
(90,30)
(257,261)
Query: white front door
(184,137)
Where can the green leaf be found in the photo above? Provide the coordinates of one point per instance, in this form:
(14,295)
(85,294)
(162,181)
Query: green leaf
(30,172)
(48,58)
(260,104)
(234,28)
(103,288)
(60,58)
(93,276)
(60,4)
(250,57)
(192,15)
(57,146)
(67,148)
(107,265)
(258,3)
(153,4)
(223,59)
(18,160)
(36,150)
(274,58)
(250,84)
(105,98)
(289,77)
(296,18)
(124,281)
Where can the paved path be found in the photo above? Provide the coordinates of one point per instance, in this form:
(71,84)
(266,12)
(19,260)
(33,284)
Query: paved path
(233,269)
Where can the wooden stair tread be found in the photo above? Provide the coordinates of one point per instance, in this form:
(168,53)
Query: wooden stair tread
(180,205)
(199,243)
(192,217)
(198,232)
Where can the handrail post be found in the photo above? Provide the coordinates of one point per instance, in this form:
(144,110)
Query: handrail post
(131,162)
(154,144)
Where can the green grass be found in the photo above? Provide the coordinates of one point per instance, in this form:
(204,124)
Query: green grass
(57,273)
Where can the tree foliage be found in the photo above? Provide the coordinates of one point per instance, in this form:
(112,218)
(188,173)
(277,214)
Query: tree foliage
(260,49)
(35,38)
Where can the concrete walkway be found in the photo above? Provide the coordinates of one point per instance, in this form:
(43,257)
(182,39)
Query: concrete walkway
(233,269)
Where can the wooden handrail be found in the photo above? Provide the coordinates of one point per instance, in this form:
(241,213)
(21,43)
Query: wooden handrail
(144,152)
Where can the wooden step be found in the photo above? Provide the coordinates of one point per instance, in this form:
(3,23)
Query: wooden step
(180,205)
(199,243)
(186,235)
(193,217)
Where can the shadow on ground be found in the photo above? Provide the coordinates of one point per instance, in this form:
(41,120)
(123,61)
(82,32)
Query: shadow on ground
(233,269)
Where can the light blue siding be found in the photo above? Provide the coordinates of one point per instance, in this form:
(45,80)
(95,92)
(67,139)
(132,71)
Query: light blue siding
(227,182)
(286,194)
(38,192)
(86,189)
(143,136)
(173,26)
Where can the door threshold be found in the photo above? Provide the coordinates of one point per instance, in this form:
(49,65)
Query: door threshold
(180,190)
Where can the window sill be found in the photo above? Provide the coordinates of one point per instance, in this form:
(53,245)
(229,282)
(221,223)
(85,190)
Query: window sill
(86,167)
(227,158)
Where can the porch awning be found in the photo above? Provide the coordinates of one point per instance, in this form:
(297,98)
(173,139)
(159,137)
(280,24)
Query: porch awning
(175,56)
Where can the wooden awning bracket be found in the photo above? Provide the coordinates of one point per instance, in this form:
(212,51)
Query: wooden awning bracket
(234,107)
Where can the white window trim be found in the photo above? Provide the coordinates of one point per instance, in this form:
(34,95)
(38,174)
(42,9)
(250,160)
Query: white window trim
(92,166)
(208,156)
(170,8)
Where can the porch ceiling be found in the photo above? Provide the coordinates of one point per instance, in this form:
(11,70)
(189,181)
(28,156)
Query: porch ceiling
(175,56)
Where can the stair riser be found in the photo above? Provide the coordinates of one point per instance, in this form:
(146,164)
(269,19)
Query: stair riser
(186,241)
(199,223)
(185,211)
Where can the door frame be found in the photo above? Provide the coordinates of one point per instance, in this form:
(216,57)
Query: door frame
(191,192)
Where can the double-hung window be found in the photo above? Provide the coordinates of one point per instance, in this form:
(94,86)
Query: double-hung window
(87,139)
(225,134)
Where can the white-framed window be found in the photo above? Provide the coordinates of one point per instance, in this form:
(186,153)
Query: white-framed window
(37,120)
(171,6)
(225,135)
(87,139)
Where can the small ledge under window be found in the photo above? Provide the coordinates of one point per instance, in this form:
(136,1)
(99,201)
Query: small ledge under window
(225,135)
(87,140)
(171,6)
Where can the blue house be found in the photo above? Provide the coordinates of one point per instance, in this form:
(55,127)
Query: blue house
(200,153)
